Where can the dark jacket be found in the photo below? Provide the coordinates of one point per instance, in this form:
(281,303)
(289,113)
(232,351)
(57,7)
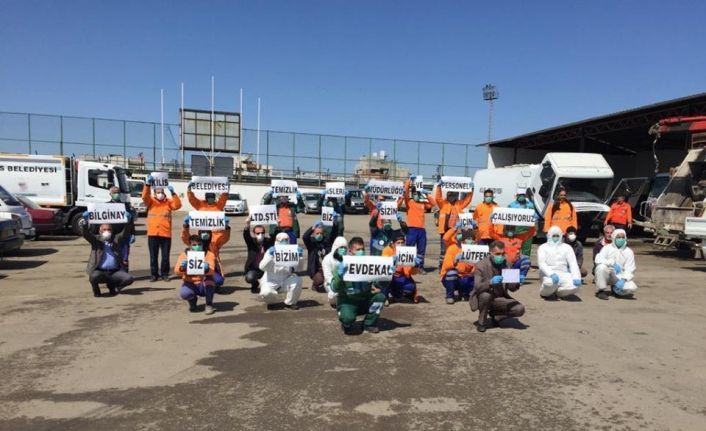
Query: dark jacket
(339,210)
(119,241)
(255,252)
(485,270)
(317,250)
(578,251)
(381,238)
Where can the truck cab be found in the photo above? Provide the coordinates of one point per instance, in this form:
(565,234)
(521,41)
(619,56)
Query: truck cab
(94,180)
(135,186)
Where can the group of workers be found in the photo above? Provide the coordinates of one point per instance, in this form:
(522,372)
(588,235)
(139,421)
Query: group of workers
(481,283)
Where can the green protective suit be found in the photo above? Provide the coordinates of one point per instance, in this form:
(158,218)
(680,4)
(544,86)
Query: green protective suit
(356,298)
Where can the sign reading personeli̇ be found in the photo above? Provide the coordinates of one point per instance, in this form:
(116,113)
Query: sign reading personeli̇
(419,182)
(207,220)
(474,252)
(513,216)
(394,189)
(466,220)
(457,184)
(335,190)
(160,179)
(194,262)
(286,255)
(263,214)
(368,268)
(107,213)
(210,184)
(511,275)
(284,188)
(388,210)
(405,255)
(327,216)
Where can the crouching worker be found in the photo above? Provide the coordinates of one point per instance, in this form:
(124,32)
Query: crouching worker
(558,271)
(257,244)
(330,266)
(356,298)
(213,241)
(615,268)
(104,263)
(194,286)
(402,285)
(279,279)
(457,274)
(491,297)
(318,245)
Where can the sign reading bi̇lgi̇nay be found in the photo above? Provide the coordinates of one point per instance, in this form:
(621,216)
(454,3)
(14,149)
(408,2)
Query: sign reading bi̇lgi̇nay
(405,255)
(335,190)
(107,213)
(368,268)
(263,214)
(207,220)
(394,189)
(210,184)
(160,179)
(388,210)
(286,255)
(513,216)
(457,184)
(284,188)
(473,252)
(194,262)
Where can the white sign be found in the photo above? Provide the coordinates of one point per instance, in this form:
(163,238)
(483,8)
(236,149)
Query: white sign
(386,188)
(210,184)
(388,210)
(160,179)
(263,214)
(419,182)
(513,216)
(327,216)
(207,220)
(284,188)
(335,190)
(194,262)
(466,220)
(286,256)
(368,268)
(473,252)
(405,255)
(457,184)
(511,275)
(107,213)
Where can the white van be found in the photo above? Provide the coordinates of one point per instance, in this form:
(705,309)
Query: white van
(11,208)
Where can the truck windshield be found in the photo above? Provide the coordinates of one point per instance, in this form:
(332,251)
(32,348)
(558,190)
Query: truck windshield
(136,188)
(586,189)
(355,194)
(658,186)
(234,197)
(9,200)
(121,180)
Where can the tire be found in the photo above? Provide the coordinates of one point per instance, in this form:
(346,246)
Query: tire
(75,227)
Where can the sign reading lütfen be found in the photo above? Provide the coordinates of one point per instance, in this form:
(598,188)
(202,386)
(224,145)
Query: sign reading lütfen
(210,184)
(473,252)
(107,213)
(207,220)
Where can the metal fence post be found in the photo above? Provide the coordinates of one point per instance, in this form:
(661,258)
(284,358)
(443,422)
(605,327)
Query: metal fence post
(29,132)
(319,159)
(294,152)
(267,145)
(370,154)
(419,150)
(61,134)
(125,143)
(465,171)
(443,150)
(345,157)
(154,145)
(394,157)
(94,137)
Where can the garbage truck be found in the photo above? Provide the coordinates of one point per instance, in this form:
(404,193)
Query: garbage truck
(65,183)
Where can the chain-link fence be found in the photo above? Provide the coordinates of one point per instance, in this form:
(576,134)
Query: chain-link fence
(307,157)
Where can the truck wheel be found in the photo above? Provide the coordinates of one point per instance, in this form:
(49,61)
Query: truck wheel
(75,227)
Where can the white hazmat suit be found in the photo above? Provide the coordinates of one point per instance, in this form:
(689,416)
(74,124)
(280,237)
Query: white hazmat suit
(330,266)
(614,264)
(557,259)
(276,280)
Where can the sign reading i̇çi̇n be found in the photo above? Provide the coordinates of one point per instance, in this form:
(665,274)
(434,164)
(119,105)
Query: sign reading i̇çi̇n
(466,220)
(107,213)
(207,220)
(405,255)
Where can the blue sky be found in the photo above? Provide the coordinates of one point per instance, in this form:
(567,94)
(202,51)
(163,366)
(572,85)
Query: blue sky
(405,69)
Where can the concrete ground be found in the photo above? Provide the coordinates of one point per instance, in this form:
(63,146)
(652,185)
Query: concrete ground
(141,361)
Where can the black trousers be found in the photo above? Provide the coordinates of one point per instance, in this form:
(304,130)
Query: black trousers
(253,276)
(114,279)
(158,244)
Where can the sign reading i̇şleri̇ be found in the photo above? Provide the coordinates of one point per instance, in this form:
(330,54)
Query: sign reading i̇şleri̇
(210,184)
(368,268)
(263,214)
(335,190)
(513,216)
(406,255)
(207,220)
(286,255)
(388,210)
(107,213)
(474,252)
(327,216)
(284,188)
(160,179)
(394,189)
(194,262)
(457,184)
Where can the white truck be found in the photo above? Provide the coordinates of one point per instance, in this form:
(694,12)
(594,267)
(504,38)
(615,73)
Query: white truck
(135,186)
(587,177)
(61,182)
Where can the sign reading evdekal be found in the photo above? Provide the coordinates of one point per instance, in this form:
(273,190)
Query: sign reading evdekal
(368,268)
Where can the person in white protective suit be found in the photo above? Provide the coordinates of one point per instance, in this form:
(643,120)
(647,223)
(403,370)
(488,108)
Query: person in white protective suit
(330,266)
(277,279)
(615,268)
(558,271)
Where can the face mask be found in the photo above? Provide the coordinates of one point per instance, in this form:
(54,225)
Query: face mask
(205,236)
(510,233)
(318,237)
(342,251)
(387,226)
(498,260)
(106,235)
(459,236)
(360,252)
(115,197)
(196,247)
(488,199)
(285,242)
(161,196)
(260,237)
(468,242)
(620,242)
(521,199)
(211,201)
(572,237)
(556,239)
(562,198)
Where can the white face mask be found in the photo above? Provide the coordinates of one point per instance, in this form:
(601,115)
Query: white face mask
(161,196)
(260,237)
(571,237)
(556,240)
(106,235)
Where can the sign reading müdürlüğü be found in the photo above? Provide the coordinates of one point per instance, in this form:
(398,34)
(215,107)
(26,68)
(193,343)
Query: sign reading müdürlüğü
(210,184)
(107,213)
(394,189)
(263,214)
(207,220)
(513,216)
(368,268)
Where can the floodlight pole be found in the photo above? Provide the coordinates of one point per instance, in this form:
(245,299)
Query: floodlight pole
(161,122)
(181,130)
(257,157)
(490,93)
(213,104)
(240,125)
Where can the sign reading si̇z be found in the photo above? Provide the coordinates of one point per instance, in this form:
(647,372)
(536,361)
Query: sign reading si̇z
(194,262)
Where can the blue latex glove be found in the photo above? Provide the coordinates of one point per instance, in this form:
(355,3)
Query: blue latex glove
(620,284)
(187,219)
(497,279)
(132,239)
(227,219)
(577,282)
(378,206)
(318,223)
(535,218)
(271,251)
(346,193)
(205,267)
(323,192)
(341,269)
(183,264)
(301,251)
(336,216)
(171,189)
(149,180)
(85,214)
(440,183)
(617,268)
(458,257)
(459,225)
(299,194)
(555,278)
(473,186)
(399,217)
(522,279)
(268,194)
(412,178)
(128,216)
(417,261)
(367,189)
(190,185)
(394,260)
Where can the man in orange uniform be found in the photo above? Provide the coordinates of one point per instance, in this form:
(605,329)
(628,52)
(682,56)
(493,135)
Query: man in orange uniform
(449,209)
(287,221)
(456,274)
(416,208)
(402,283)
(208,204)
(561,213)
(513,246)
(620,214)
(197,285)
(484,234)
(159,226)
(213,241)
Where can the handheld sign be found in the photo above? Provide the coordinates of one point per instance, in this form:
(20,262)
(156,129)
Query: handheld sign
(160,179)
(511,275)
(210,184)
(466,220)
(368,268)
(207,220)
(405,255)
(335,190)
(263,214)
(458,184)
(513,216)
(284,188)
(388,210)
(107,213)
(473,252)
(386,188)
(194,262)
(327,216)
(419,182)
(286,256)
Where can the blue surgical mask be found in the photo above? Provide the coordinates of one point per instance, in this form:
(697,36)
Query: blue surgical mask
(620,242)
(342,251)
(488,199)
(115,197)
(459,236)
(498,260)
(521,199)
(510,233)
(318,237)
(360,252)
(196,247)
(556,239)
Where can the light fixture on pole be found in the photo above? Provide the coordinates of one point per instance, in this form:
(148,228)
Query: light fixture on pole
(490,93)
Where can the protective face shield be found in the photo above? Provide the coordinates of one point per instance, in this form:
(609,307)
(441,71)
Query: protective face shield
(571,237)
(205,236)
(115,197)
(196,247)
(160,196)
(488,199)
(106,235)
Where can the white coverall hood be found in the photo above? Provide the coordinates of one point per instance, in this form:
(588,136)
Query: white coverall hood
(554,230)
(338,243)
(330,265)
(617,232)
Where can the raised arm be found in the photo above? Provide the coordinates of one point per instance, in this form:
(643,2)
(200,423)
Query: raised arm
(193,200)
(147,195)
